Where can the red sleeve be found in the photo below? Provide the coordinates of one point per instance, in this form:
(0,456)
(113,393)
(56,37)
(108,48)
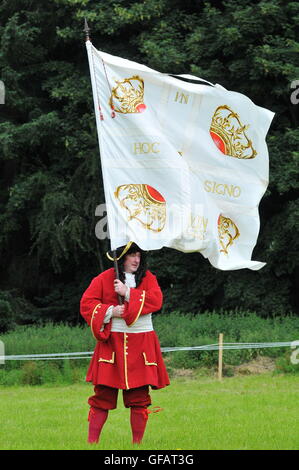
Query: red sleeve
(147,298)
(93,310)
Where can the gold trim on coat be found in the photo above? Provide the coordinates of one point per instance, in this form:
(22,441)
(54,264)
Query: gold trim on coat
(92,318)
(125,361)
(142,300)
(149,363)
(111,361)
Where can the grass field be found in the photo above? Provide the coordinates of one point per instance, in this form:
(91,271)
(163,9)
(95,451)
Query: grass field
(247,413)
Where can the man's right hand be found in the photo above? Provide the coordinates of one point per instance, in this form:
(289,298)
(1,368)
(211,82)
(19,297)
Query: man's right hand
(118,311)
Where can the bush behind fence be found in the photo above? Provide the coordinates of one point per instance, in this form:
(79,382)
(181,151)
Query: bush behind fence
(173,329)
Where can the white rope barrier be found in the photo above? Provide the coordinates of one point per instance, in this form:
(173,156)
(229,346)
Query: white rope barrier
(215,347)
(88,355)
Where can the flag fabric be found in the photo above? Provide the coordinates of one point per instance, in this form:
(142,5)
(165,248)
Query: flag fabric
(184,161)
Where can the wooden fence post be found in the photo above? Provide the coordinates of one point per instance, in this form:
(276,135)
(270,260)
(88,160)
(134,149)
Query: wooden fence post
(220,356)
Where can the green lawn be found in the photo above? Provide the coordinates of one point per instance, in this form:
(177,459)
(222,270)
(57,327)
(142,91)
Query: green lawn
(252,412)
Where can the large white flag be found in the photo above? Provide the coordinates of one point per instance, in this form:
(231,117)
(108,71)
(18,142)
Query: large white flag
(184,164)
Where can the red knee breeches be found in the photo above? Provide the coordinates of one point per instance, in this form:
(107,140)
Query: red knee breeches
(105,398)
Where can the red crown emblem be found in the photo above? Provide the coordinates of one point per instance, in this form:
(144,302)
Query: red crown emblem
(143,203)
(229,134)
(128,95)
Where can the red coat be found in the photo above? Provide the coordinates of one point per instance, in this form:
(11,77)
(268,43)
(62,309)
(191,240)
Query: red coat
(124,360)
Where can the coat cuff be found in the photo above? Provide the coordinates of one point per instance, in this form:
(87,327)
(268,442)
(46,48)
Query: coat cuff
(100,330)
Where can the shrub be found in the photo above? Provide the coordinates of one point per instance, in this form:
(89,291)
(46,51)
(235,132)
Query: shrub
(174,329)
(14,309)
(284,365)
(31,373)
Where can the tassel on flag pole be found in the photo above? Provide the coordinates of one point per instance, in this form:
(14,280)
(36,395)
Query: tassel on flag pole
(87,38)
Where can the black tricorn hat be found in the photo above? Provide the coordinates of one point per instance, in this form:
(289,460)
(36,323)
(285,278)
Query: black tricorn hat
(121,251)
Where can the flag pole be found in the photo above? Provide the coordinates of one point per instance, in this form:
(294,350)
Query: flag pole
(96,104)
(120,299)
(86,30)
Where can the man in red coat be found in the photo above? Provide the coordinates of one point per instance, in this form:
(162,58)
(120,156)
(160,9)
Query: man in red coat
(127,355)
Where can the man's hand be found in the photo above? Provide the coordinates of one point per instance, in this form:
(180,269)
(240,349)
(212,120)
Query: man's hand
(118,311)
(119,287)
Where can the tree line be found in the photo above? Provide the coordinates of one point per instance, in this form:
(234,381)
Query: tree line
(50,172)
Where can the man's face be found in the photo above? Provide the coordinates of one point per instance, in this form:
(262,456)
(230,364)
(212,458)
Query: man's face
(132,262)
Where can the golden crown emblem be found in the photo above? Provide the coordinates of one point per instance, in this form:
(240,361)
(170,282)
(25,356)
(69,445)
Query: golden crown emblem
(144,204)
(228,134)
(127,96)
(228,232)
